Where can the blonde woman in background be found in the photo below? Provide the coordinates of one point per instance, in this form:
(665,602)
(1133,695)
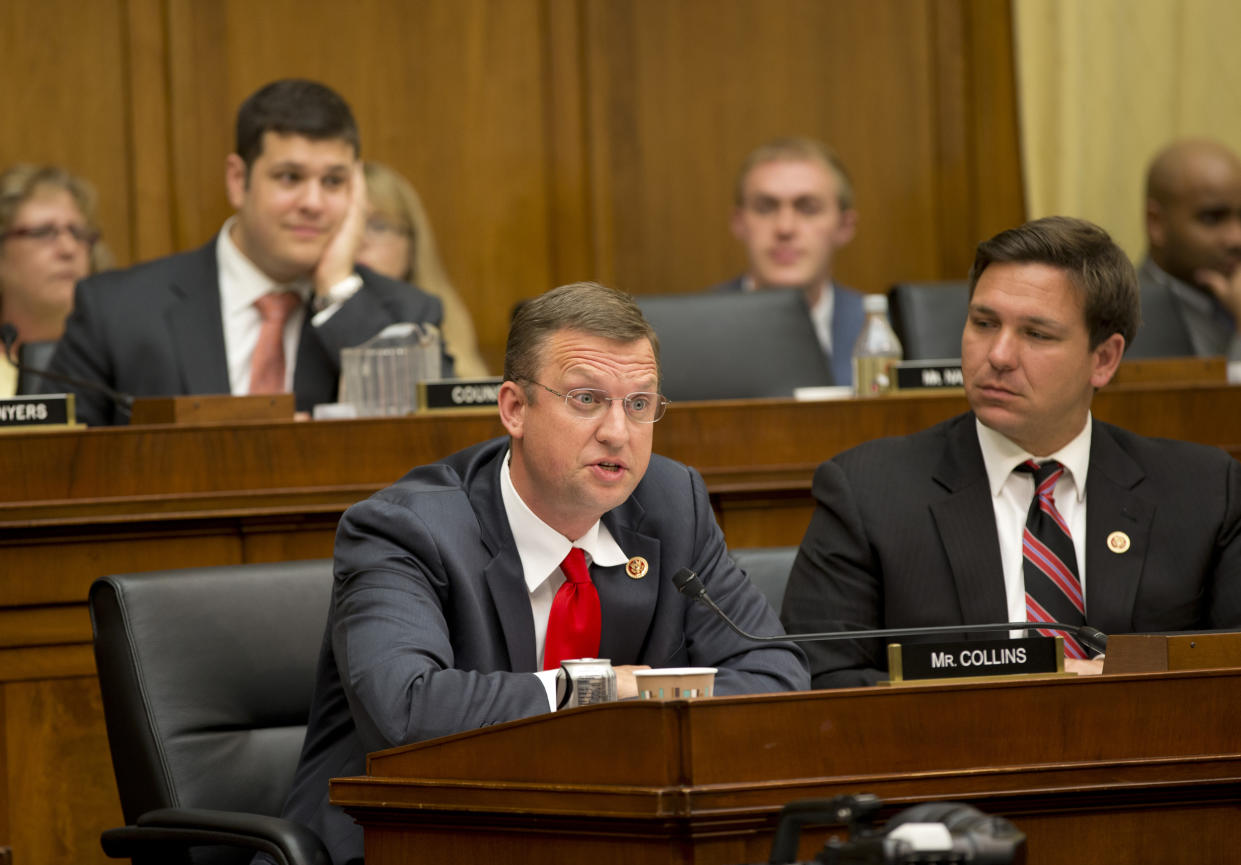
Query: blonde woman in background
(49,239)
(398,242)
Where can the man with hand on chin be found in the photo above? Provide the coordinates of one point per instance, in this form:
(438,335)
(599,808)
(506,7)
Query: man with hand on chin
(268,304)
(944,527)
(460,588)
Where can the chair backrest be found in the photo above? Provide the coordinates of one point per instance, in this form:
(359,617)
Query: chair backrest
(768,568)
(928,317)
(35,355)
(206,676)
(735,345)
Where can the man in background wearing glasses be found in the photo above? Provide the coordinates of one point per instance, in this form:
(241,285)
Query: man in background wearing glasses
(451,610)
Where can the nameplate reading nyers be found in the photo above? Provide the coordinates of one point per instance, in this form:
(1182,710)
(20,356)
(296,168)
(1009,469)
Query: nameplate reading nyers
(1026,656)
(41,410)
(459,394)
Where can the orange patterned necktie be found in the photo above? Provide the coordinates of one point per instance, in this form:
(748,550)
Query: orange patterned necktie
(267,364)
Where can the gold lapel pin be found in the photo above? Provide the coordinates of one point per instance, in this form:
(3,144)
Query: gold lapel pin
(637,568)
(1118,542)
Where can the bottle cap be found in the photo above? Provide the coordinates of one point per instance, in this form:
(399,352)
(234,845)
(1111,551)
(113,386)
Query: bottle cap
(875,303)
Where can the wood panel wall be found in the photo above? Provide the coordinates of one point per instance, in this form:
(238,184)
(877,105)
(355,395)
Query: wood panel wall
(553,140)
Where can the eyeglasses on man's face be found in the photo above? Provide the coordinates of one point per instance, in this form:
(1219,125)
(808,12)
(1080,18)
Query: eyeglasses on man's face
(589,402)
(50,233)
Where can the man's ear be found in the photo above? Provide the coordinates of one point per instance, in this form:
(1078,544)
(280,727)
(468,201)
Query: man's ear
(846,229)
(1106,357)
(235,180)
(1156,232)
(737,223)
(512,402)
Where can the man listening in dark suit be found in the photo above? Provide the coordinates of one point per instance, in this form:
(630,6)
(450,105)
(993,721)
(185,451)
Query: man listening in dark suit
(794,210)
(1191,276)
(278,282)
(450,604)
(932,528)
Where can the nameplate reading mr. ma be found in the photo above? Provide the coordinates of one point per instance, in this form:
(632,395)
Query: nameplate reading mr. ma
(974,658)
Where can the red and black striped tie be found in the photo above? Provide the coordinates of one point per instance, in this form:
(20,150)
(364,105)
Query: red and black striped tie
(1053,587)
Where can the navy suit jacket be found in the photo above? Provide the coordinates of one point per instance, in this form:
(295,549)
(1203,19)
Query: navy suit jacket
(847,321)
(431,631)
(155,329)
(903,535)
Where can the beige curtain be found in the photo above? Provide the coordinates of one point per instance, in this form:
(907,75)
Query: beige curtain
(1104,84)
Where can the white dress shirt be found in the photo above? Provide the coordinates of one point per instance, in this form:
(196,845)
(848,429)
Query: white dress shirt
(541,550)
(241,284)
(1012,492)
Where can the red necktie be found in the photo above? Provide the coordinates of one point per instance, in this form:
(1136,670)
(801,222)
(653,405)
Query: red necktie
(1053,588)
(267,363)
(574,625)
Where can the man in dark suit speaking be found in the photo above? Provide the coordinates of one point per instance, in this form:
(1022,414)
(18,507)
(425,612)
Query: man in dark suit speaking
(268,304)
(943,527)
(461,588)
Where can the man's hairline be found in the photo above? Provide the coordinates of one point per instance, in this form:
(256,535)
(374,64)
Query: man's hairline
(793,159)
(344,139)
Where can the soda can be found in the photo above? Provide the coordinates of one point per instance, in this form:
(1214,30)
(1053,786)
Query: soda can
(585,681)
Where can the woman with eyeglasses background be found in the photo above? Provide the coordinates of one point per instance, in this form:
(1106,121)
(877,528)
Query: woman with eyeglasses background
(49,239)
(398,242)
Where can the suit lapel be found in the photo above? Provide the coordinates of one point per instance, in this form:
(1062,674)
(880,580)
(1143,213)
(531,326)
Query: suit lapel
(966,523)
(196,325)
(503,574)
(1113,505)
(628,604)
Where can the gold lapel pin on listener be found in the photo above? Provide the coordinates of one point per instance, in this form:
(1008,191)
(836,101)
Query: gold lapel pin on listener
(1118,542)
(637,568)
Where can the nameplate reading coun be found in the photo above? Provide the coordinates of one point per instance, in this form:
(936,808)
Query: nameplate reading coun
(975,659)
(44,410)
(459,395)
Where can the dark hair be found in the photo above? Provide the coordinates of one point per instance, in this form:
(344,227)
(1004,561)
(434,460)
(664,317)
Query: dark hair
(294,106)
(584,306)
(1096,266)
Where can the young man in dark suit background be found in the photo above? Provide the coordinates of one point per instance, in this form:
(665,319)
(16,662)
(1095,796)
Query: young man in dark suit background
(794,211)
(269,303)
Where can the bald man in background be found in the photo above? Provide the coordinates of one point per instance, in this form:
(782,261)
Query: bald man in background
(1191,276)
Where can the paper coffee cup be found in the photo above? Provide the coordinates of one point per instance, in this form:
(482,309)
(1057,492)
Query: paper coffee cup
(675,683)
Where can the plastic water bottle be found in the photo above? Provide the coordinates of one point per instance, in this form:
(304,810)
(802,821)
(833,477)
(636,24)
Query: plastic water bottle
(877,350)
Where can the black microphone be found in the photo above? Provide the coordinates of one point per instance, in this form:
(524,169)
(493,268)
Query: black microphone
(8,333)
(688,584)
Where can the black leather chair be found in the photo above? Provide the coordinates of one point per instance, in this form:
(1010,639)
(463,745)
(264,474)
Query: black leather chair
(35,355)
(735,345)
(768,568)
(207,675)
(928,317)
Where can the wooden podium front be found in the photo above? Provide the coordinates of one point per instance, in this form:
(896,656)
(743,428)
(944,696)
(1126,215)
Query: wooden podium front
(1111,769)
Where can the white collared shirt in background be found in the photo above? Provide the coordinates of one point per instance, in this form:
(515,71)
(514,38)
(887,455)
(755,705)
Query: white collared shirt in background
(241,284)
